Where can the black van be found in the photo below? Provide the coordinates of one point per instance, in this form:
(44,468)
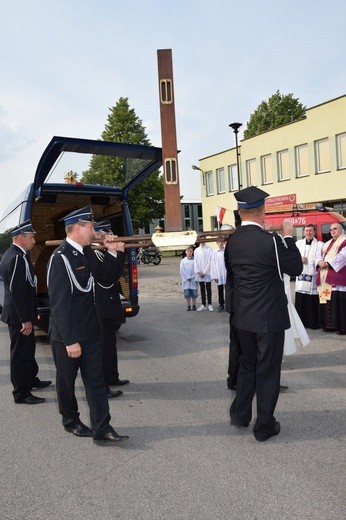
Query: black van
(46,203)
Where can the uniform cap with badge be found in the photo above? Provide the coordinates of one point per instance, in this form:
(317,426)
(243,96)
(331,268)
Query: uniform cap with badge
(104,225)
(79,215)
(26,227)
(250,197)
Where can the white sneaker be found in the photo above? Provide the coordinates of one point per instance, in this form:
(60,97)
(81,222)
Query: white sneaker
(201,308)
(210,308)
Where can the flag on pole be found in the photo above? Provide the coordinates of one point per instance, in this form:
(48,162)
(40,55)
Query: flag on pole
(220,213)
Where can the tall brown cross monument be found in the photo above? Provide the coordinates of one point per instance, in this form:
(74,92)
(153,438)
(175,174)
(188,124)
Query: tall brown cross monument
(173,219)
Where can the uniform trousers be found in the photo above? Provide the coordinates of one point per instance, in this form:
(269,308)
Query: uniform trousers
(260,370)
(234,353)
(90,365)
(24,368)
(110,353)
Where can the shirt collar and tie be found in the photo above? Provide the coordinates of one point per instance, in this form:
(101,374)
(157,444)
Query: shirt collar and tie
(75,245)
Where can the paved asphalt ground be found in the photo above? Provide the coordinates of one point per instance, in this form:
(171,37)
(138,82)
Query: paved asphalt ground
(183,459)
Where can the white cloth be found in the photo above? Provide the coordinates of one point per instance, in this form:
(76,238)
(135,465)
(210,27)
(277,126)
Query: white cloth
(218,269)
(202,257)
(312,252)
(187,272)
(297,329)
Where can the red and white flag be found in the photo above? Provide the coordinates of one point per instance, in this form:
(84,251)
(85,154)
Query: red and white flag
(220,213)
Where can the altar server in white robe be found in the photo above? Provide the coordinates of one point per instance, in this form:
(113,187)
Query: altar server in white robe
(189,283)
(218,271)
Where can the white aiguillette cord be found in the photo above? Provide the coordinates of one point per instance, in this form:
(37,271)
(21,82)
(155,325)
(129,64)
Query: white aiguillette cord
(31,279)
(277,256)
(73,279)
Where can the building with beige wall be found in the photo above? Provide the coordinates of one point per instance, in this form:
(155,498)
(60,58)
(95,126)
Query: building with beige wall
(306,158)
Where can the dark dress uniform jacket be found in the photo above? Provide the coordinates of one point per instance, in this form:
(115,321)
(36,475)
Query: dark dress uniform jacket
(19,307)
(73,315)
(19,301)
(257,292)
(108,303)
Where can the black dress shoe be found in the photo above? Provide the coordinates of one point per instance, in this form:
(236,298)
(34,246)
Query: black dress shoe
(261,436)
(283,388)
(341,332)
(30,399)
(41,384)
(119,382)
(111,394)
(111,437)
(79,429)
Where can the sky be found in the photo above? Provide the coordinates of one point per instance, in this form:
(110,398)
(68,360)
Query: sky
(64,64)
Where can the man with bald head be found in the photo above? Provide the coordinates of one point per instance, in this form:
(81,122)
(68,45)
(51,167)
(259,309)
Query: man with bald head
(331,281)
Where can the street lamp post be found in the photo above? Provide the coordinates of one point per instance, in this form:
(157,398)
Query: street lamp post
(194,167)
(235,127)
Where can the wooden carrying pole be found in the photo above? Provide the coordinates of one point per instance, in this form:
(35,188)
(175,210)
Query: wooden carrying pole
(97,243)
(146,240)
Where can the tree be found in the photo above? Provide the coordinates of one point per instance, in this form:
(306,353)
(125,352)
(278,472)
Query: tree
(146,199)
(5,241)
(279,110)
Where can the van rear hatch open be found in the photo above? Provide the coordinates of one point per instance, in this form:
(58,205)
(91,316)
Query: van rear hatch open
(45,202)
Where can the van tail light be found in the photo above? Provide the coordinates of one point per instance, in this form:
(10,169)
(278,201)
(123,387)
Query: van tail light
(134,276)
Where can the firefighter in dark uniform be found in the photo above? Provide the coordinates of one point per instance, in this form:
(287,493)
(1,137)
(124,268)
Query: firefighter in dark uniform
(109,310)
(255,260)
(19,312)
(74,329)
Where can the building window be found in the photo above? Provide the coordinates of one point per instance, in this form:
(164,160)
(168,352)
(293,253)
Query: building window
(302,160)
(283,165)
(171,171)
(166,91)
(213,222)
(341,150)
(220,177)
(267,169)
(322,156)
(162,223)
(233,178)
(251,172)
(187,216)
(200,217)
(209,181)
